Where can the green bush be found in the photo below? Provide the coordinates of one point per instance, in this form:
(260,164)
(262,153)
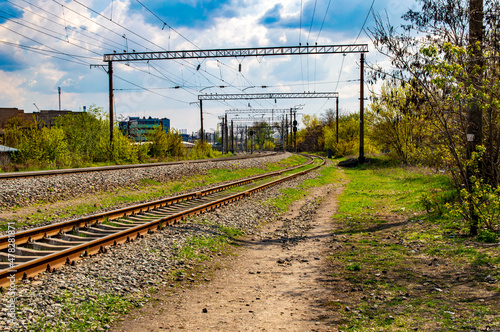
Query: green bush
(203,150)
(487,236)
(76,139)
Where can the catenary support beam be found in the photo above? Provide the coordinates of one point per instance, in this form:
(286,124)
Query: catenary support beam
(237,52)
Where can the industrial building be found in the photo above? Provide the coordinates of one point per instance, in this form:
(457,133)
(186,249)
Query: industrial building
(137,128)
(47,117)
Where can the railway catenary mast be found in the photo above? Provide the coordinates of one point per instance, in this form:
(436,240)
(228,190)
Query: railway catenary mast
(268,114)
(238,52)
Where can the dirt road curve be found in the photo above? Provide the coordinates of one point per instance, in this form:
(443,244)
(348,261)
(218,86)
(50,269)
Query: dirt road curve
(267,286)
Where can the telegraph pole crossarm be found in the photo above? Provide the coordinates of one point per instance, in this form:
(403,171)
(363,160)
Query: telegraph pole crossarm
(237,52)
(251,96)
(234,52)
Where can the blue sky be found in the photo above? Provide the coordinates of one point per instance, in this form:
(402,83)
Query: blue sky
(73,35)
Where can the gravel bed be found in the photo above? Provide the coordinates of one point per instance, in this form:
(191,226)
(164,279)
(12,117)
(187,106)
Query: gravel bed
(132,269)
(23,192)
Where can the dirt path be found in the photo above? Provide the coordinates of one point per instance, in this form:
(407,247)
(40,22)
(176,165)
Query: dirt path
(266,287)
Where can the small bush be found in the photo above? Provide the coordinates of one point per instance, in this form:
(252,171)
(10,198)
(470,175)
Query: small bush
(487,236)
(203,150)
(354,267)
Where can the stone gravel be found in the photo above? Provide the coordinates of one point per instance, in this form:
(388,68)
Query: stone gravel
(132,269)
(24,192)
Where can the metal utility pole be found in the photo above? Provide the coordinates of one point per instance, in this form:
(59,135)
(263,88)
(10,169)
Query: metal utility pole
(222,135)
(232,137)
(474,129)
(283,134)
(59,91)
(291,131)
(226,136)
(111,111)
(337,121)
(361,158)
(201,119)
(286,131)
(295,130)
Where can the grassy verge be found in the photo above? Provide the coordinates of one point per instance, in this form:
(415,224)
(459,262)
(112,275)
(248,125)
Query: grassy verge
(200,248)
(397,269)
(327,175)
(146,190)
(96,312)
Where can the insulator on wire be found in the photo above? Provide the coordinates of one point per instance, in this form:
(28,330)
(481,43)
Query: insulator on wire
(239,67)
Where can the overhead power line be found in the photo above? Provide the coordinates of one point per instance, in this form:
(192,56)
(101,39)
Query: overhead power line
(312,19)
(324,18)
(45,52)
(75,28)
(41,44)
(166,24)
(48,34)
(366,18)
(149,90)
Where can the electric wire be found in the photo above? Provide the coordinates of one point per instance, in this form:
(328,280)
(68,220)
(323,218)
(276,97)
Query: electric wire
(44,52)
(312,20)
(94,22)
(166,24)
(99,24)
(37,42)
(342,65)
(99,14)
(366,18)
(50,35)
(50,30)
(31,48)
(75,29)
(300,35)
(151,91)
(324,18)
(118,24)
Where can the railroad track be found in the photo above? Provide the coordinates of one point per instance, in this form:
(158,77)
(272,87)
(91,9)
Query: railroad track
(31,252)
(20,175)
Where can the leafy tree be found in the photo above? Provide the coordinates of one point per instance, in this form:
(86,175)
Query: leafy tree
(203,150)
(398,126)
(311,137)
(159,142)
(87,134)
(451,72)
(14,129)
(348,136)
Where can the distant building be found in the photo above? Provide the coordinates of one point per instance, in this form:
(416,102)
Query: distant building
(7,113)
(47,117)
(137,128)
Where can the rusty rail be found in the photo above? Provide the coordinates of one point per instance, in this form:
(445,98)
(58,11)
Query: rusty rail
(69,255)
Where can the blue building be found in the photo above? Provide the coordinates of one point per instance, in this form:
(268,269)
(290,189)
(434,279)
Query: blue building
(138,128)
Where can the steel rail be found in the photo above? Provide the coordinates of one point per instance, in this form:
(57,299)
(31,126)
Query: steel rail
(54,229)
(69,255)
(18,175)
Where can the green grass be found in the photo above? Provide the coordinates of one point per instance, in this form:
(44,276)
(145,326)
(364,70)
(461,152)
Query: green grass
(388,189)
(327,175)
(402,256)
(88,315)
(199,248)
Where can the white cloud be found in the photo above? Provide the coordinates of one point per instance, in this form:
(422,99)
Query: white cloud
(81,86)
